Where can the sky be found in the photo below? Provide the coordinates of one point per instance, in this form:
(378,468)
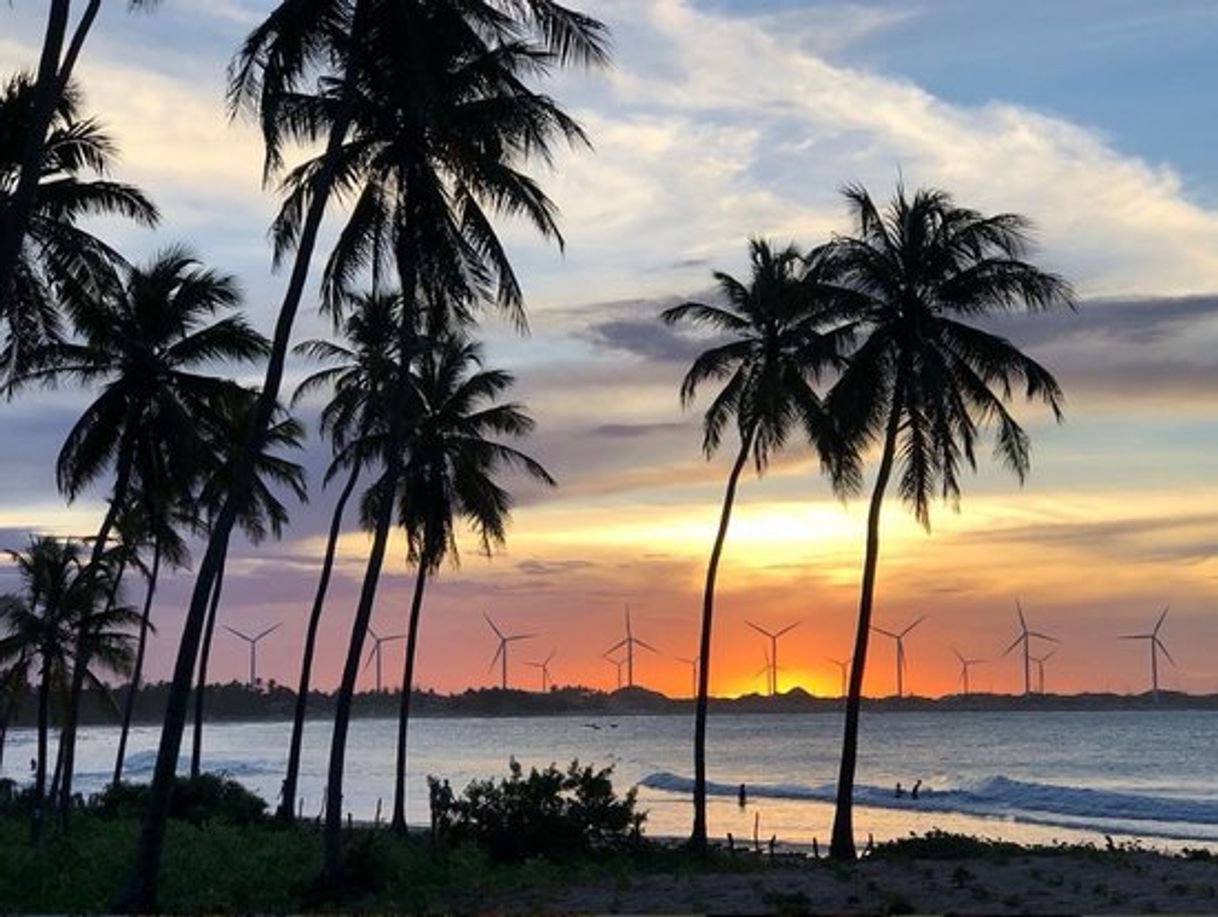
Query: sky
(722,120)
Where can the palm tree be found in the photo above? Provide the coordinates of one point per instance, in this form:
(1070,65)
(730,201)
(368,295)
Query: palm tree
(51,85)
(142,346)
(442,122)
(774,350)
(924,383)
(361,370)
(40,631)
(452,456)
(155,530)
(55,252)
(263,512)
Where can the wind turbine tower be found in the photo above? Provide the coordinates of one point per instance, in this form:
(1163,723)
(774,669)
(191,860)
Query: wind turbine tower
(629,642)
(899,637)
(1155,645)
(1026,637)
(773,655)
(1040,670)
(253,643)
(844,665)
(693,673)
(501,654)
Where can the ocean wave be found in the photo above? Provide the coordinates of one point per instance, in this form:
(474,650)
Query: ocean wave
(142,763)
(990,797)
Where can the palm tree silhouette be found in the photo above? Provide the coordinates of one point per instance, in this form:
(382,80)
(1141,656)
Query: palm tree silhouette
(360,371)
(141,346)
(924,383)
(443,121)
(50,87)
(774,350)
(452,455)
(40,632)
(55,252)
(262,514)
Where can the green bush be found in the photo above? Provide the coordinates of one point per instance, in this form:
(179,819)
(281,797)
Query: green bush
(550,813)
(206,798)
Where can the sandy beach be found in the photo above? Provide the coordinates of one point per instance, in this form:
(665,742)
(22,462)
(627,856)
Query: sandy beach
(1029,883)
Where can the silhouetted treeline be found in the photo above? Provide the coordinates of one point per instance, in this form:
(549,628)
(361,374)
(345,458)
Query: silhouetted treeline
(235,701)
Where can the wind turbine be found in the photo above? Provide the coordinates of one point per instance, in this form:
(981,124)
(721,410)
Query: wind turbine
(544,668)
(773,657)
(1040,670)
(899,637)
(768,671)
(616,663)
(1025,637)
(377,642)
(1155,645)
(629,642)
(502,652)
(965,665)
(693,673)
(844,665)
(253,642)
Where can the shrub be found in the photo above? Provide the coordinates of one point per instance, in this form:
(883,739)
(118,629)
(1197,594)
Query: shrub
(550,813)
(208,797)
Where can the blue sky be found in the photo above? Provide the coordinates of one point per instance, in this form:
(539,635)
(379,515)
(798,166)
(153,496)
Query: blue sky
(1095,118)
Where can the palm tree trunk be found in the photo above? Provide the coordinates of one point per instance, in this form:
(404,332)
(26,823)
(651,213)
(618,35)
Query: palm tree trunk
(57,774)
(196,749)
(80,666)
(141,891)
(841,845)
(138,669)
(697,838)
(287,805)
(40,766)
(16,216)
(399,791)
(6,711)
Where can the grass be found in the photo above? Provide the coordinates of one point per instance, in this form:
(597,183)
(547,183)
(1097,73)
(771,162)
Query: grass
(223,868)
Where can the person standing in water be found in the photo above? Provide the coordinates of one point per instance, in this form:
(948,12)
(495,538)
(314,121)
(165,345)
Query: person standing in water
(743,797)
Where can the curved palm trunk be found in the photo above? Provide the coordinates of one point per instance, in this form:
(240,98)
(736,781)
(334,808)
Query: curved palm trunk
(697,838)
(841,845)
(196,748)
(287,804)
(141,891)
(52,79)
(138,669)
(5,713)
(16,216)
(399,787)
(40,767)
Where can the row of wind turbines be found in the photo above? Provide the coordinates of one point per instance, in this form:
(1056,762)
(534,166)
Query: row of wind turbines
(621,654)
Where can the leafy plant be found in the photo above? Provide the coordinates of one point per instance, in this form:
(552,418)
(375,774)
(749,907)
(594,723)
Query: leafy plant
(198,800)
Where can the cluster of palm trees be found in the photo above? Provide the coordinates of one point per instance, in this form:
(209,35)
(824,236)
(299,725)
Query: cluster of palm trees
(427,118)
(885,315)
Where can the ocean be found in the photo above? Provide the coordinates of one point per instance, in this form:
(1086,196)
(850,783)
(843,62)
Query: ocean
(1024,776)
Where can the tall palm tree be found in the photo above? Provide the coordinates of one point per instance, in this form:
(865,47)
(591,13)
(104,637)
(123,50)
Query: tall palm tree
(772,346)
(924,383)
(142,346)
(40,631)
(360,372)
(51,84)
(453,454)
(439,130)
(55,252)
(262,514)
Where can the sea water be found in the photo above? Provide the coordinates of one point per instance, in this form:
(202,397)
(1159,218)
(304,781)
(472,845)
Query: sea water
(1025,776)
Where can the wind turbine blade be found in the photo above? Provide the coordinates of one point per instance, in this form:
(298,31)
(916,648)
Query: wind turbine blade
(1161,617)
(1135,636)
(519,637)
(236,633)
(495,658)
(393,637)
(1018,640)
(1159,644)
(371,653)
(616,646)
(958,655)
(498,633)
(913,625)
(645,645)
(550,658)
(1040,636)
(788,628)
(1022,621)
(886,633)
(760,630)
(269,630)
